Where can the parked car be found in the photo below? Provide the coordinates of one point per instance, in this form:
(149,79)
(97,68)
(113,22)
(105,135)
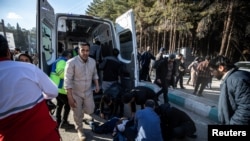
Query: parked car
(243,65)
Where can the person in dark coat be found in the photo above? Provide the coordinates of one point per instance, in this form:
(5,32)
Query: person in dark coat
(111,104)
(165,75)
(145,60)
(175,123)
(180,70)
(138,96)
(234,100)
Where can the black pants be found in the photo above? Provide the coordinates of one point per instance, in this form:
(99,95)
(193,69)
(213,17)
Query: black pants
(179,77)
(62,101)
(201,83)
(144,74)
(164,90)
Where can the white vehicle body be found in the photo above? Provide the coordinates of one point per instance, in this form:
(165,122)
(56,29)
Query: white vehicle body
(69,29)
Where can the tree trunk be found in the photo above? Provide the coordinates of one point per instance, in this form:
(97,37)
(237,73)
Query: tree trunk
(227,26)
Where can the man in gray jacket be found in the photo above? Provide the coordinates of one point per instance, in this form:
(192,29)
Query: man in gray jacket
(234,101)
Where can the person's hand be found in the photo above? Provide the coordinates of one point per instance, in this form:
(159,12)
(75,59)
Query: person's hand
(158,81)
(132,114)
(72,102)
(114,133)
(101,115)
(97,89)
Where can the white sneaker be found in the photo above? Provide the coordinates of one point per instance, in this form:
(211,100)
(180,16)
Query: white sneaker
(81,135)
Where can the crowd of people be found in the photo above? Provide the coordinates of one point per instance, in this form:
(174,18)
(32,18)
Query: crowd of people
(75,78)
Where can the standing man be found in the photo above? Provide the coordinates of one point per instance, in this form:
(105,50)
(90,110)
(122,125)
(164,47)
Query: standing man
(111,68)
(148,123)
(95,51)
(180,61)
(80,71)
(234,100)
(145,64)
(165,75)
(24,114)
(203,76)
(57,76)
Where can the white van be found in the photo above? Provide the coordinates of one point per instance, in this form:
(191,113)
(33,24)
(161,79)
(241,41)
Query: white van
(69,29)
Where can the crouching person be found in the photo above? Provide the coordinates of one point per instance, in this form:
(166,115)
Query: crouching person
(111,104)
(175,123)
(138,96)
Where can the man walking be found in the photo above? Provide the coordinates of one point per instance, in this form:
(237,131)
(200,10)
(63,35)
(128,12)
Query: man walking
(80,71)
(57,76)
(203,76)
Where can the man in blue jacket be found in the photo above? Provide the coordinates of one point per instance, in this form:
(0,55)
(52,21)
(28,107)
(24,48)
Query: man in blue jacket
(234,100)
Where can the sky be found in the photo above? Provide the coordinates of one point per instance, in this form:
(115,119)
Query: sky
(23,12)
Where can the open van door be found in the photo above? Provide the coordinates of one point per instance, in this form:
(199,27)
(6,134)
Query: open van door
(125,28)
(46,47)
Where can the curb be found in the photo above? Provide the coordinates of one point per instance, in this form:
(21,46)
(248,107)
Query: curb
(210,112)
(183,99)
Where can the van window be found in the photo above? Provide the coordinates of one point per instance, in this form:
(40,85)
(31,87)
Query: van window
(126,45)
(47,42)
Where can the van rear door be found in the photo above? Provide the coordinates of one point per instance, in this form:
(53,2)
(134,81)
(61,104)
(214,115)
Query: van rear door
(46,47)
(125,28)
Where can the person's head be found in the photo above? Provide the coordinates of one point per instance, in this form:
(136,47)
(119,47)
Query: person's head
(67,54)
(107,99)
(17,50)
(4,48)
(172,57)
(97,42)
(162,50)
(23,57)
(180,56)
(83,50)
(200,59)
(148,48)
(150,103)
(196,59)
(208,58)
(115,52)
(219,66)
(60,47)
(164,109)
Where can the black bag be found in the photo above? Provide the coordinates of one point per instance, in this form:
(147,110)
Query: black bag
(51,106)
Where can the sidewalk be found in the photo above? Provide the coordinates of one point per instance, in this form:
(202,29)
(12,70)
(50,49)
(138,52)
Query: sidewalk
(205,105)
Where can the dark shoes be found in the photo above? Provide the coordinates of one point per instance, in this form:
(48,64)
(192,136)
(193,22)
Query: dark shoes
(199,94)
(67,126)
(182,87)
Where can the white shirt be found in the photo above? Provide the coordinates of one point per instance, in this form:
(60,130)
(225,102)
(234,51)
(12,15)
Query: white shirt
(22,86)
